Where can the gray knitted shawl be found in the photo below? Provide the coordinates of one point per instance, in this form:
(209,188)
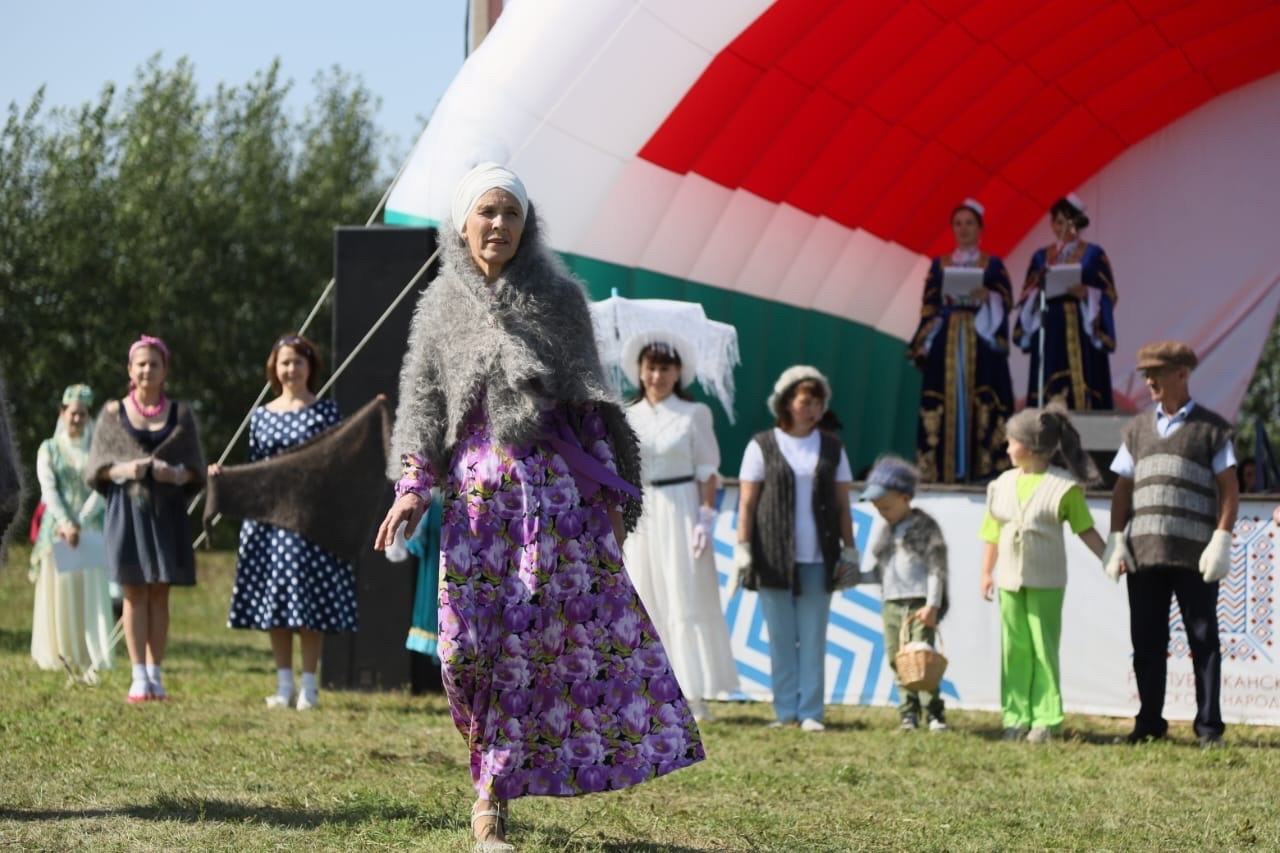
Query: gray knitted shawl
(525,342)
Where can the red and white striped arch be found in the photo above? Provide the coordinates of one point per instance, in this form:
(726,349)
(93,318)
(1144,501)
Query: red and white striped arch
(808,151)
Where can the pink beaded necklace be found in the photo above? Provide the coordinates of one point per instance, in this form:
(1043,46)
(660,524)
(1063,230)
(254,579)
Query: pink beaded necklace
(147,411)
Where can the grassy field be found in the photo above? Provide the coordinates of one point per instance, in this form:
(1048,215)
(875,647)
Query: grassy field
(215,770)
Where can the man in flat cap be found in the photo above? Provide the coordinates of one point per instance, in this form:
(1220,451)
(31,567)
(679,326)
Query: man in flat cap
(1176,491)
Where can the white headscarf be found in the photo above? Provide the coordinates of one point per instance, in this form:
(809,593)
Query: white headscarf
(477,182)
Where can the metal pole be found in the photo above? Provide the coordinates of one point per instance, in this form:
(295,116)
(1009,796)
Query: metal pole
(1040,393)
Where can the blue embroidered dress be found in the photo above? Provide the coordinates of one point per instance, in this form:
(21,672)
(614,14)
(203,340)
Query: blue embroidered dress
(1080,335)
(962,348)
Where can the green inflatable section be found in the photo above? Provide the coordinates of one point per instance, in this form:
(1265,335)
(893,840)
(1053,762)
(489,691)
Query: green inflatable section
(874,389)
(875,392)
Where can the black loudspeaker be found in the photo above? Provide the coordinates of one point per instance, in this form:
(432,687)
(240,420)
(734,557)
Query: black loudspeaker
(371,268)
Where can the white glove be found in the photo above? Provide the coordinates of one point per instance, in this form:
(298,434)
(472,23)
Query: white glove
(1116,552)
(741,565)
(1215,561)
(847,572)
(702,530)
(398,550)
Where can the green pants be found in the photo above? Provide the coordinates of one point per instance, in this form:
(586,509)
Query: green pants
(1030,633)
(894,613)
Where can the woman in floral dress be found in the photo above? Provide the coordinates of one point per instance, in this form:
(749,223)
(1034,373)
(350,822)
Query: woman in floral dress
(555,675)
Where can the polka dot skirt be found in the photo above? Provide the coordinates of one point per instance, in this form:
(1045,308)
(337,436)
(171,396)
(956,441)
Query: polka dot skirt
(282,579)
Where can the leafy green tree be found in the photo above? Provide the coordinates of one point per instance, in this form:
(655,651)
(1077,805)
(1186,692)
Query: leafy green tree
(205,220)
(1262,400)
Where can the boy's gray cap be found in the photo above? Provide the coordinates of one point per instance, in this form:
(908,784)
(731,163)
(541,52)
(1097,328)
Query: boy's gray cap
(891,473)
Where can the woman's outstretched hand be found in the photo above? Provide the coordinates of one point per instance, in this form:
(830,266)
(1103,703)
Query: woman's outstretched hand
(407,510)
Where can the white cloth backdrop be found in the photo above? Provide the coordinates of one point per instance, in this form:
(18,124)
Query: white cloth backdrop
(1097,676)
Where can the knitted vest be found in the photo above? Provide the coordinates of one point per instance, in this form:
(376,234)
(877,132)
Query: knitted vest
(773,537)
(1031,549)
(1175,494)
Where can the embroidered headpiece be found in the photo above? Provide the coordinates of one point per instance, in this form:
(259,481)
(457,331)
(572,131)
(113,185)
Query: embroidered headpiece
(78,393)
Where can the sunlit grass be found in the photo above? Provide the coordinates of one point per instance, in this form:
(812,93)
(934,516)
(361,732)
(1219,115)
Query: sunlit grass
(215,770)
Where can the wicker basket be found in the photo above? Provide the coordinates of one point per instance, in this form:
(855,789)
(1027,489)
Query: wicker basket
(919,669)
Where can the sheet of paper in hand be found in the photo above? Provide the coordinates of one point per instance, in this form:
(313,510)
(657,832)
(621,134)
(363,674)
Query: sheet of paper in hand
(90,553)
(959,282)
(1058,278)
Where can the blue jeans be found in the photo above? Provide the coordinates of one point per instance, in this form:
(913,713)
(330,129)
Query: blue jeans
(798,644)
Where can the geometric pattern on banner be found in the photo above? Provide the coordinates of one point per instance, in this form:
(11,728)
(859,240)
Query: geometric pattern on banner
(1246,597)
(857,668)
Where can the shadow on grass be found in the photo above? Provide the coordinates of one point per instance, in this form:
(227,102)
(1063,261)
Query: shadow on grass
(557,839)
(15,642)
(197,810)
(222,653)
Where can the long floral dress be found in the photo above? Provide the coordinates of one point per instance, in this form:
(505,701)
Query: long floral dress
(555,675)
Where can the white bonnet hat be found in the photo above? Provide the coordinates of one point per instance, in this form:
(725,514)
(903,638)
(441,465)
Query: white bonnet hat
(685,351)
(792,375)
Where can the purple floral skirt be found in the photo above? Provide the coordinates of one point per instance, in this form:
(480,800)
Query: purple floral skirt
(555,675)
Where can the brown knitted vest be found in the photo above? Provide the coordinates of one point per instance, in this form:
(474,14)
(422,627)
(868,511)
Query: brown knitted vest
(773,537)
(1175,494)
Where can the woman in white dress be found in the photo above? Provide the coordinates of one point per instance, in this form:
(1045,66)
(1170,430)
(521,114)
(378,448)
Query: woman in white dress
(669,556)
(71,621)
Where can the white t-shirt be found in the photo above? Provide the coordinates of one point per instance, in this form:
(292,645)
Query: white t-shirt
(802,455)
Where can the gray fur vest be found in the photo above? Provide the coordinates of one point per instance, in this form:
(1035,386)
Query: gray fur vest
(923,540)
(524,342)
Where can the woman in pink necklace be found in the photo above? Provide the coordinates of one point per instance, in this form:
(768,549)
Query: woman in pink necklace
(146,461)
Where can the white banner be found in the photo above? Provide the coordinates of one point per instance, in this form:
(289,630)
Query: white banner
(1097,674)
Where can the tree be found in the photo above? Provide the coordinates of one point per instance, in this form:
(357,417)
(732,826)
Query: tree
(207,221)
(1262,400)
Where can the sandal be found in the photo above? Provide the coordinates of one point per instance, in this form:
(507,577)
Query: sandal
(489,826)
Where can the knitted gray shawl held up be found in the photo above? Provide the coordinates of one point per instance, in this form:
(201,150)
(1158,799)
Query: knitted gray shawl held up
(525,341)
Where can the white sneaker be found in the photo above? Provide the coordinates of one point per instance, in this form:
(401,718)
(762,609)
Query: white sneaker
(812,725)
(937,725)
(279,700)
(308,699)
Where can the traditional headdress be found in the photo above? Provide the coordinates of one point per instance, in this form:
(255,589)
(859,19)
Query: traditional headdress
(973,205)
(78,393)
(477,182)
(668,342)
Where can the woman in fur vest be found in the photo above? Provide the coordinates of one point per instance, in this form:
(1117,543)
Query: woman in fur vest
(146,461)
(555,675)
(794,527)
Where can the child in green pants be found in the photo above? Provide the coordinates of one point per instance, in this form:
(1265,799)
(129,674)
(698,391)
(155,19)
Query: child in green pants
(1025,556)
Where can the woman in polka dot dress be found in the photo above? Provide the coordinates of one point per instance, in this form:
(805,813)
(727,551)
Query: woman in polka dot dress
(286,584)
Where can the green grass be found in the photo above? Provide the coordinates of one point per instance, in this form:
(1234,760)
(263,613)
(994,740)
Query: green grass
(215,770)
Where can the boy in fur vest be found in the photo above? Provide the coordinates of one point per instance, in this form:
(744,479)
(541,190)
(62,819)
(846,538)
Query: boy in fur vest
(1027,552)
(911,567)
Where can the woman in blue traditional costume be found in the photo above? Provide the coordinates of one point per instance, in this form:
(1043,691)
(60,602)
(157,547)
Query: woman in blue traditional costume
(1079,326)
(71,618)
(286,583)
(145,459)
(962,348)
(555,675)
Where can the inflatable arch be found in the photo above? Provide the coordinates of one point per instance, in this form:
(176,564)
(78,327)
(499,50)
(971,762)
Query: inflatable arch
(791,164)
